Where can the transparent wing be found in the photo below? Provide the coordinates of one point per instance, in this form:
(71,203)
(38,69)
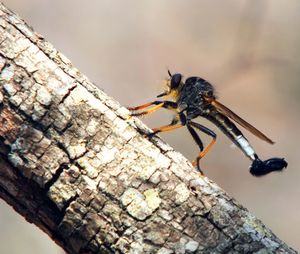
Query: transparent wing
(226,111)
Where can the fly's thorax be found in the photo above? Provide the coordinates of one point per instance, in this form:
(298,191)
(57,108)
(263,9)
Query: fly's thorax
(193,94)
(203,87)
(206,89)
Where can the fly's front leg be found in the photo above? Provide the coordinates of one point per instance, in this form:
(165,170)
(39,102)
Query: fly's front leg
(158,104)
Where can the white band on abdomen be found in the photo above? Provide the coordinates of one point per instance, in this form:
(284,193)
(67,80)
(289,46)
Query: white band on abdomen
(248,150)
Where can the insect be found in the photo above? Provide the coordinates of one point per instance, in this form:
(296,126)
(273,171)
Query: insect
(194,98)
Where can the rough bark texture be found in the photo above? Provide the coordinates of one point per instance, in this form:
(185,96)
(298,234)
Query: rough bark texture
(75,164)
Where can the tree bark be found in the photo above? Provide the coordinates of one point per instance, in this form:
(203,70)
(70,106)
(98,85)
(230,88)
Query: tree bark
(76,165)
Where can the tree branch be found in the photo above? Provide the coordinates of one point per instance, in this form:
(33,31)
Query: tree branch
(74,163)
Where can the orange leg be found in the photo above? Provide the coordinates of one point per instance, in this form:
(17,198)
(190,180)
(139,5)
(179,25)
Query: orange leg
(148,111)
(202,154)
(169,127)
(197,139)
(140,107)
(158,104)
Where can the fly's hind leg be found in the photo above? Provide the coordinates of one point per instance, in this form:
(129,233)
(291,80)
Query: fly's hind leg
(198,142)
(203,151)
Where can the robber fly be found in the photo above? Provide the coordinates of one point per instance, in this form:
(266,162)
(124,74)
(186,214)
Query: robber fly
(195,97)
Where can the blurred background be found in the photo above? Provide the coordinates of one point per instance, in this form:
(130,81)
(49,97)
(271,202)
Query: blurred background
(250,51)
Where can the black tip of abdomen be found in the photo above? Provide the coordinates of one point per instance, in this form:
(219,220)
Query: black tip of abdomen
(260,168)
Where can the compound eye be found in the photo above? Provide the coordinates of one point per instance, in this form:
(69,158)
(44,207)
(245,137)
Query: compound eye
(175,80)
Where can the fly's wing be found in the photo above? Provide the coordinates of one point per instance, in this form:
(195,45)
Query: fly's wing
(226,111)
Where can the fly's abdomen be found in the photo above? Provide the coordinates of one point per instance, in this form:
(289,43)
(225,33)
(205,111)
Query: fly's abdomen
(232,132)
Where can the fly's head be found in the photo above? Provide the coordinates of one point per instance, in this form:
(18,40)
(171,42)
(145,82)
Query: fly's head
(173,85)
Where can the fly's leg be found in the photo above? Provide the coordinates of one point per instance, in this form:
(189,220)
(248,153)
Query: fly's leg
(203,151)
(177,122)
(198,142)
(195,137)
(157,104)
(164,128)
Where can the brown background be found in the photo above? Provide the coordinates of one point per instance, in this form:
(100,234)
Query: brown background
(249,49)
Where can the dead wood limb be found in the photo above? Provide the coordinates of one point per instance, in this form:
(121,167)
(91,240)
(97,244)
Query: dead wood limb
(74,164)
